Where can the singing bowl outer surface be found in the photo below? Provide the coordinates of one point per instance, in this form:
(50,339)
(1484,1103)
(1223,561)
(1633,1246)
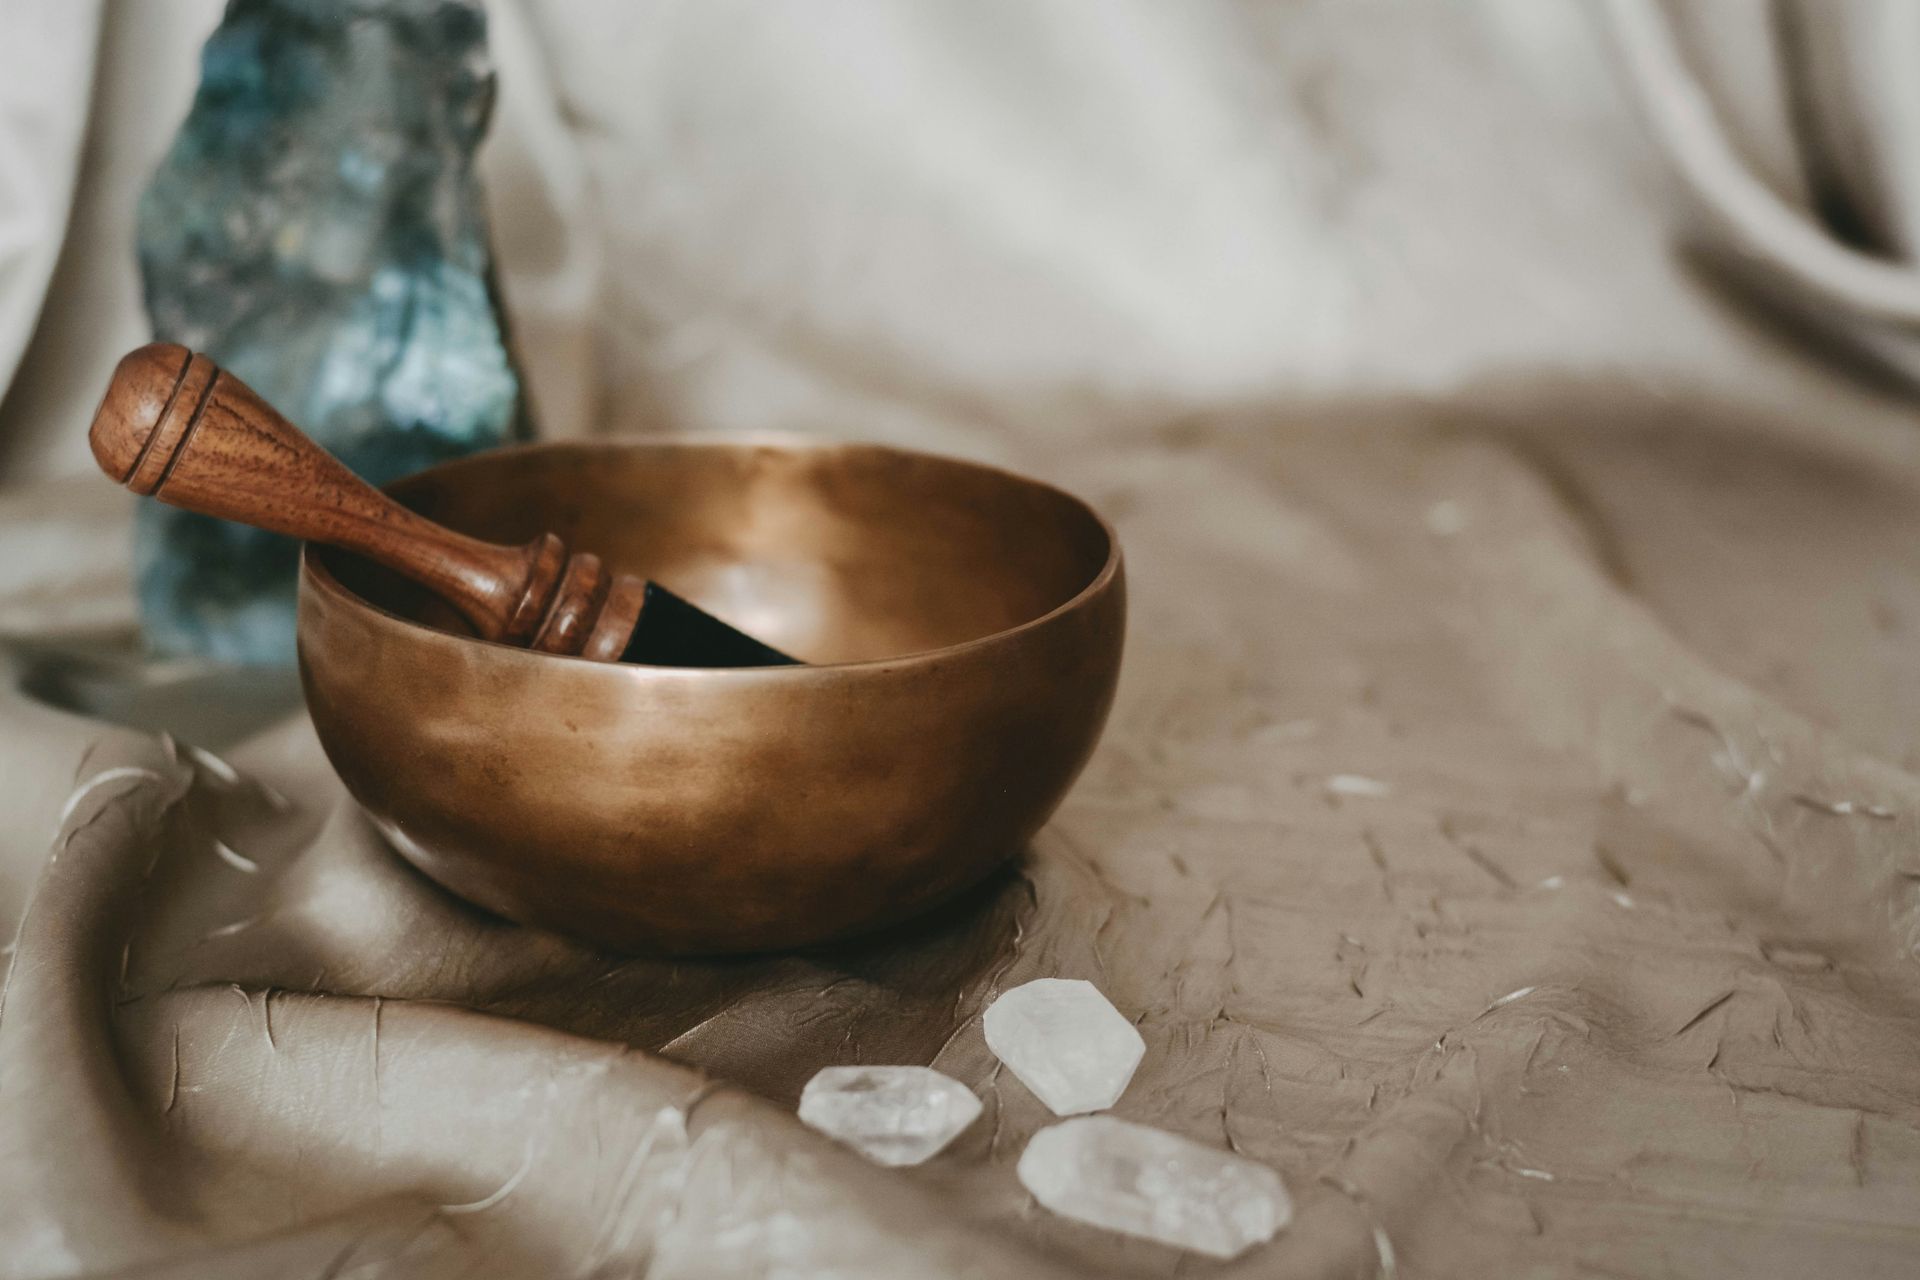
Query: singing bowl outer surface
(965,627)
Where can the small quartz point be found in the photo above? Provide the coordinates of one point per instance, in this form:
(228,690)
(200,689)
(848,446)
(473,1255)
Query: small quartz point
(1143,1182)
(891,1115)
(1066,1042)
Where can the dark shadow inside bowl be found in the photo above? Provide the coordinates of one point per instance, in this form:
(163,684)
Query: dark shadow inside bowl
(834,553)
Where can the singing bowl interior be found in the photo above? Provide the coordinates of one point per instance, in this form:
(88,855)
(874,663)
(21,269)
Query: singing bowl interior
(963,631)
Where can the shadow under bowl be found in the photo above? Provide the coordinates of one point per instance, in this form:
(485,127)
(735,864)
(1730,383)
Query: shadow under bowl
(963,630)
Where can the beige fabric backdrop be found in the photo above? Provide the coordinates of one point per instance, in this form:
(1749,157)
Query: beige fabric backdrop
(1445,453)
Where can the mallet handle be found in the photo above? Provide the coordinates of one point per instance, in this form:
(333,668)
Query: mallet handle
(175,426)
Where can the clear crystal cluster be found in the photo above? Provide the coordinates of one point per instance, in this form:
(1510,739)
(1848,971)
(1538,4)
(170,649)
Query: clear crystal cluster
(1077,1053)
(1143,1182)
(1066,1042)
(891,1115)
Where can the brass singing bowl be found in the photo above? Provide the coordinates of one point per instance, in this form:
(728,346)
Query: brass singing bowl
(963,631)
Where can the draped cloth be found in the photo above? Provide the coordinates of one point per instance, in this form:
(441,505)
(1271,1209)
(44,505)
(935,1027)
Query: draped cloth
(1509,825)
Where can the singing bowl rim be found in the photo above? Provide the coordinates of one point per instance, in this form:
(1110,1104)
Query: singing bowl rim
(314,574)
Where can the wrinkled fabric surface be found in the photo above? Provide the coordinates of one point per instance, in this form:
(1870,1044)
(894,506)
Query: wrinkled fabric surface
(1608,592)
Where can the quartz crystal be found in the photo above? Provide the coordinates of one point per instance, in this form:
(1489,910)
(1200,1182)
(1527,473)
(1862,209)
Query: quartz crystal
(1066,1042)
(317,229)
(1142,1182)
(891,1115)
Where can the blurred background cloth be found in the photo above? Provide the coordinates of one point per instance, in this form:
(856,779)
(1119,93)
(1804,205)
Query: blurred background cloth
(1509,402)
(1078,218)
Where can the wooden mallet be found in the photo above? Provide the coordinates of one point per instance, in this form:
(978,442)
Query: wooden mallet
(176,427)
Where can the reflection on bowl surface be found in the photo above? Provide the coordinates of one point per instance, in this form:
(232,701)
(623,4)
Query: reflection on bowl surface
(964,627)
